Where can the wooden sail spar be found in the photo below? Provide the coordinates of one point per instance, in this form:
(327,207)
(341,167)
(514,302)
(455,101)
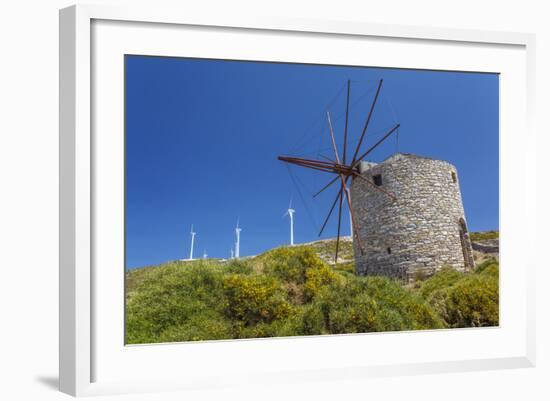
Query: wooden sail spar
(342,169)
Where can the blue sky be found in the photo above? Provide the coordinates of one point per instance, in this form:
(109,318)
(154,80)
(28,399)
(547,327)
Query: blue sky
(203,136)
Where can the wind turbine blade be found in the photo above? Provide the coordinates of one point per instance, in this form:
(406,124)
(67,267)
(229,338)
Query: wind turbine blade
(330,212)
(367,122)
(376,144)
(332,138)
(346,126)
(328,185)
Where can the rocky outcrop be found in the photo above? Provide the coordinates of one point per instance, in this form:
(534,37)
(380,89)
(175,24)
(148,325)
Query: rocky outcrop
(486,246)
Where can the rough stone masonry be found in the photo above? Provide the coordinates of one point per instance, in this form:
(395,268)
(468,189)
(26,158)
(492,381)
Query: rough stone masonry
(420,231)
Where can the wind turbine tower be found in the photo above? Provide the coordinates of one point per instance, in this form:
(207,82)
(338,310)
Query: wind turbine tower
(290,212)
(193,233)
(238,242)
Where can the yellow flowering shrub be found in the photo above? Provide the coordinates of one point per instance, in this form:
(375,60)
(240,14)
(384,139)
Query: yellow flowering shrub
(318,277)
(290,264)
(254,298)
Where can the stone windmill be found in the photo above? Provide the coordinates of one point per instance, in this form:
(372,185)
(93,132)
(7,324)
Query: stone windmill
(407,213)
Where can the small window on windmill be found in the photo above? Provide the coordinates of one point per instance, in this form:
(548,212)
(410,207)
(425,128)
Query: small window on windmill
(377,178)
(453,176)
(388,249)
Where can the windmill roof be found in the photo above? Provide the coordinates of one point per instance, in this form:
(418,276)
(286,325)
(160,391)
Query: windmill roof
(399,155)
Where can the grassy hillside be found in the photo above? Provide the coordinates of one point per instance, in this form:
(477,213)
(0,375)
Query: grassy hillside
(293,291)
(483,236)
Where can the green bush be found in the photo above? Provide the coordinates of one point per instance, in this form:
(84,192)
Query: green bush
(171,296)
(490,266)
(364,314)
(345,268)
(205,326)
(491,270)
(312,320)
(238,267)
(277,328)
(473,301)
(444,278)
(414,312)
(252,299)
(370,304)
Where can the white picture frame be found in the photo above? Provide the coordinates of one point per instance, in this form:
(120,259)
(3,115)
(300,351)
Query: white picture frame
(79,315)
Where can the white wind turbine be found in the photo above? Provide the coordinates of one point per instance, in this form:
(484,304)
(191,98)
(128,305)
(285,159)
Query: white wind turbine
(238,242)
(193,233)
(290,212)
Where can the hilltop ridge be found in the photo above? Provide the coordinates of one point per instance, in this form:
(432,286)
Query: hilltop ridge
(292,291)
(485,245)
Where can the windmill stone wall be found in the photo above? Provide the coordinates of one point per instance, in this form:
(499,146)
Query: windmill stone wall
(422,230)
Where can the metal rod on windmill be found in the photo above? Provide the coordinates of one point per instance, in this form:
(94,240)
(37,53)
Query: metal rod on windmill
(290,212)
(238,242)
(193,233)
(344,169)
